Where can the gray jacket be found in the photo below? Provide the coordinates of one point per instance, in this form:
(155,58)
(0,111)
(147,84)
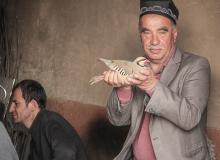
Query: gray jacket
(178,109)
(7,150)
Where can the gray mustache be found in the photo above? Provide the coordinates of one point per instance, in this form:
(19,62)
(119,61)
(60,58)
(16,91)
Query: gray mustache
(155,47)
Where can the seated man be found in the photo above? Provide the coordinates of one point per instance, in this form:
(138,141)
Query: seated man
(52,136)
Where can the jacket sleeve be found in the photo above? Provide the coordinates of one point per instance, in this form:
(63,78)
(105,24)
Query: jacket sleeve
(185,106)
(62,144)
(121,115)
(118,115)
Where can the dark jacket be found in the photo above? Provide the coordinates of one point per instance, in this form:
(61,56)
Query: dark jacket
(53,138)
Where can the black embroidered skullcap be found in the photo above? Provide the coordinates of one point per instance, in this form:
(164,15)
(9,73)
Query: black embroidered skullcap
(162,7)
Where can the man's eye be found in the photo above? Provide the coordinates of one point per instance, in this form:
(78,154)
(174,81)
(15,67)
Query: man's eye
(146,32)
(163,31)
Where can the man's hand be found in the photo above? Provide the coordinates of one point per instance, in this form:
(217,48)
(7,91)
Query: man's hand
(115,79)
(145,79)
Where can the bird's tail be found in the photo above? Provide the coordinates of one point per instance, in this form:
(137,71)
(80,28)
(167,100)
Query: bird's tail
(96,79)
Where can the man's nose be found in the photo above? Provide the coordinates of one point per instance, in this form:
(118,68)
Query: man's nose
(155,40)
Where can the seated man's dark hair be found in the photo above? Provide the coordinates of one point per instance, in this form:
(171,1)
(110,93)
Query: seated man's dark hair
(32,90)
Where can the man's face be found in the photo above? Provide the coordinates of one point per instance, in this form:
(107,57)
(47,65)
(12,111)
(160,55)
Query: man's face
(20,110)
(158,36)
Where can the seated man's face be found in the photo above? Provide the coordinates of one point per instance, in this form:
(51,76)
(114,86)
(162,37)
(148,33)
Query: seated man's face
(20,110)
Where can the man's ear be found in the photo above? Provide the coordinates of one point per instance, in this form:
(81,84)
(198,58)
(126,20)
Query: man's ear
(175,33)
(33,104)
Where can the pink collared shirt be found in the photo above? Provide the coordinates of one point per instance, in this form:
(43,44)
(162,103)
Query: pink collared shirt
(142,145)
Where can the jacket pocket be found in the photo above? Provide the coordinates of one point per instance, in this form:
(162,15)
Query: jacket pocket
(194,150)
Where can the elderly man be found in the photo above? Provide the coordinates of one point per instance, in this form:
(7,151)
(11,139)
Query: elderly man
(52,136)
(164,104)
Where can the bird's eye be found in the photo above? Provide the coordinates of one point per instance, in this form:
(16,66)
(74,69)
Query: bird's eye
(141,62)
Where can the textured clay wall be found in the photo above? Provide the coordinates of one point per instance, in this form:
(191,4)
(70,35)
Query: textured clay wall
(61,40)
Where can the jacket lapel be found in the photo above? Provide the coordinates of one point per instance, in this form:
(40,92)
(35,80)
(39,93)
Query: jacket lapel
(171,68)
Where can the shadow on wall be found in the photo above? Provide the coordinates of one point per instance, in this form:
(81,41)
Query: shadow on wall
(105,140)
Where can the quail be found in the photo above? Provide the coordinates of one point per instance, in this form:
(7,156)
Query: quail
(123,67)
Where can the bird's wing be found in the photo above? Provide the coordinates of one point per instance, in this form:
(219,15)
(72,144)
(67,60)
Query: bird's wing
(122,66)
